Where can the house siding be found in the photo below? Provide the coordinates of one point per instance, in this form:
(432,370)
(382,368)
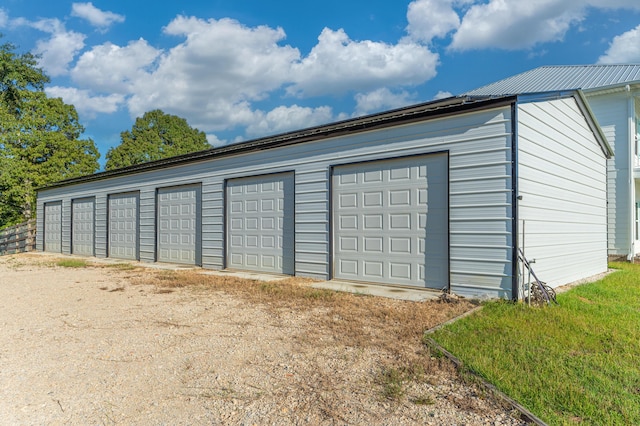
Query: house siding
(611,111)
(479,147)
(562,182)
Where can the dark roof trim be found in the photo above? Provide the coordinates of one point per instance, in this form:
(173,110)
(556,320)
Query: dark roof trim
(583,104)
(428,110)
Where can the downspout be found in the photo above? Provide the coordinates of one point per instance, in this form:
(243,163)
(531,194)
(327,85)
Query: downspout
(515,293)
(632,163)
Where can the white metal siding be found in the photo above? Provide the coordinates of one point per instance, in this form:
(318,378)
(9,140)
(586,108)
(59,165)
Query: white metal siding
(178,224)
(612,115)
(260,223)
(562,181)
(53,227)
(123,226)
(82,232)
(390,221)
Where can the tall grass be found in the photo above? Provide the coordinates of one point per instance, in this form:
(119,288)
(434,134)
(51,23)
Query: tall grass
(576,363)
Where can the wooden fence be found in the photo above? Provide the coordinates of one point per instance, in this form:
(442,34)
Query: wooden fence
(18,238)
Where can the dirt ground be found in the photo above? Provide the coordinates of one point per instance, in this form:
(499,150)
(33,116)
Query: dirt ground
(113,345)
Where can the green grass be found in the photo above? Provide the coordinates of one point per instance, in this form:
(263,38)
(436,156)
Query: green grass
(72,263)
(576,363)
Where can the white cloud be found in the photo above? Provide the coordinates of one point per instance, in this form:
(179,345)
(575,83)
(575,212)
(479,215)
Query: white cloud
(516,24)
(218,69)
(113,68)
(283,118)
(97,18)
(206,80)
(513,24)
(59,49)
(442,95)
(431,18)
(623,48)
(4,18)
(86,104)
(214,141)
(381,99)
(228,56)
(614,4)
(338,65)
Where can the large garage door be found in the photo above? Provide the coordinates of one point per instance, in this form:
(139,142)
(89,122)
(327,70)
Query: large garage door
(82,213)
(123,225)
(390,221)
(53,227)
(179,224)
(260,223)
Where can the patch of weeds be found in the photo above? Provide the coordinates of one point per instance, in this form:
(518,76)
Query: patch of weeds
(167,276)
(392,381)
(318,294)
(423,400)
(169,279)
(270,288)
(72,263)
(121,266)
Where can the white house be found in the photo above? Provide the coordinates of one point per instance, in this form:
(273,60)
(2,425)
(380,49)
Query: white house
(613,94)
(426,196)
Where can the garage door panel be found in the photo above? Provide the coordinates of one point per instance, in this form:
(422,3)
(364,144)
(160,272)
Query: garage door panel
(391,221)
(82,231)
(260,223)
(123,225)
(53,227)
(179,224)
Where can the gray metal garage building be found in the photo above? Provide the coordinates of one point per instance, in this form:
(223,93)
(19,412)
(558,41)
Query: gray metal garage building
(428,196)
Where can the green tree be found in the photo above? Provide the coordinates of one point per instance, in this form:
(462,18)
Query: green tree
(153,137)
(39,137)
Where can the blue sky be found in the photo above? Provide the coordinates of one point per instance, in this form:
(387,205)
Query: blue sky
(243,69)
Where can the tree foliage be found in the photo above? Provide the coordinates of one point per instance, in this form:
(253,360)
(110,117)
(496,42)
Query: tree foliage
(39,137)
(155,136)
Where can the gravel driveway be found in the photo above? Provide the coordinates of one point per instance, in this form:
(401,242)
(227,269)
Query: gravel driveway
(96,345)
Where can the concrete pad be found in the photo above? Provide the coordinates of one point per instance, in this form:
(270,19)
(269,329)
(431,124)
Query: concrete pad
(400,293)
(165,266)
(247,275)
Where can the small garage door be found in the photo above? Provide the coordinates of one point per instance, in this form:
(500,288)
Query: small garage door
(390,221)
(82,231)
(123,225)
(260,223)
(53,227)
(179,224)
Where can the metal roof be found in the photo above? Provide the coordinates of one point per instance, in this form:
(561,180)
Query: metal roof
(427,110)
(563,77)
